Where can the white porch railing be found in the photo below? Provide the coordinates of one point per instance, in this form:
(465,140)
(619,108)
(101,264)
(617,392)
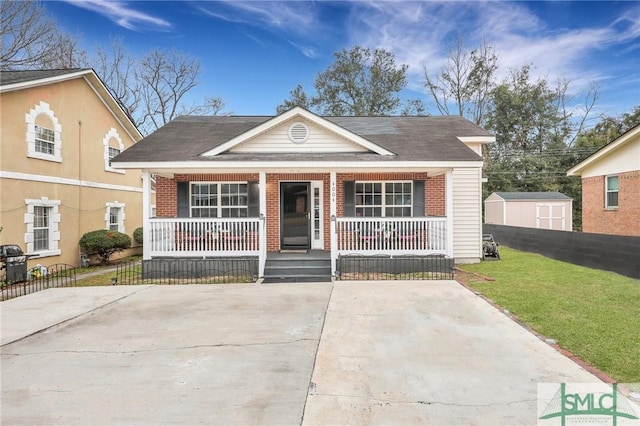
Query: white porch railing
(191,237)
(410,235)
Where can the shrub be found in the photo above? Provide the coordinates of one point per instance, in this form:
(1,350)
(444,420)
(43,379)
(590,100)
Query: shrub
(104,243)
(138,236)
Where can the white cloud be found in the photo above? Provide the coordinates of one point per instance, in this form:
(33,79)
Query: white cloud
(289,17)
(123,15)
(420,33)
(296,19)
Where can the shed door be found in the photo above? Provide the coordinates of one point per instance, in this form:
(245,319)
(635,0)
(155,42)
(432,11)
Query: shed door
(550,216)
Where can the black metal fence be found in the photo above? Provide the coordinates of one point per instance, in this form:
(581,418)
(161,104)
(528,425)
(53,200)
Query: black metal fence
(158,271)
(188,271)
(404,267)
(40,278)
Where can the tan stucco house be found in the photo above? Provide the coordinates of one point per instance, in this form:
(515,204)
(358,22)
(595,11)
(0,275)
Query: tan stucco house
(59,131)
(611,187)
(542,210)
(297,182)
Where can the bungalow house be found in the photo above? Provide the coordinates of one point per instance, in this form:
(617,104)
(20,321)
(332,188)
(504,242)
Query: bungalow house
(611,187)
(300,183)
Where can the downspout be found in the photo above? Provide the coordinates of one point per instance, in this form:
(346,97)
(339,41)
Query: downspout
(80,192)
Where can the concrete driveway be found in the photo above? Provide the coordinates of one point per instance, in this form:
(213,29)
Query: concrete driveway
(350,353)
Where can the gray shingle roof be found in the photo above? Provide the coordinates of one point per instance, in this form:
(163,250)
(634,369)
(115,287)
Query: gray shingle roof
(532,196)
(13,77)
(410,138)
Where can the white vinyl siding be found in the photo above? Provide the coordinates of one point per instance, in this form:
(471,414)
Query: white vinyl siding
(319,140)
(467,214)
(624,159)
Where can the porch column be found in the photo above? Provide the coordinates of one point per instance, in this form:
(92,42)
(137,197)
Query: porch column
(332,222)
(262,256)
(146,212)
(449,210)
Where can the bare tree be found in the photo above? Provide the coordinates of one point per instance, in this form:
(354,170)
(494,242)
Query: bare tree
(464,83)
(153,90)
(117,68)
(164,79)
(65,54)
(31,39)
(210,106)
(576,117)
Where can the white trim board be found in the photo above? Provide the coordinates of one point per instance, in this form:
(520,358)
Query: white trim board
(66,181)
(286,166)
(292,114)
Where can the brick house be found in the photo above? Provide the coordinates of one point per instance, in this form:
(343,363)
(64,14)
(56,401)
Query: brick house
(298,182)
(611,187)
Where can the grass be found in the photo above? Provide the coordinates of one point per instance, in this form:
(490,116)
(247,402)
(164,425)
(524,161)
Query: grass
(594,314)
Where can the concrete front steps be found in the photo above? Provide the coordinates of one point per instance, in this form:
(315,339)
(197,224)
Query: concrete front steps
(292,267)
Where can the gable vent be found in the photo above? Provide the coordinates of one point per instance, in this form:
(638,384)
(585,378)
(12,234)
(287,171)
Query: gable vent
(298,132)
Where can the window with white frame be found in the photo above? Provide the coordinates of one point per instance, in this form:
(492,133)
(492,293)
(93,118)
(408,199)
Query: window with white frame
(113,146)
(384,199)
(112,153)
(114,217)
(611,197)
(42,221)
(41,230)
(219,199)
(44,134)
(45,140)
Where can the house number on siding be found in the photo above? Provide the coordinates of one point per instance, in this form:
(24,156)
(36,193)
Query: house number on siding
(333,192)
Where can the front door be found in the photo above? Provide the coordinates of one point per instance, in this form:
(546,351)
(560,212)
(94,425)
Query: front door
(295,222)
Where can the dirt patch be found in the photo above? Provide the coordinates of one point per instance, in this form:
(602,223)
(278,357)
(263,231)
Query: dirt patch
(465,277)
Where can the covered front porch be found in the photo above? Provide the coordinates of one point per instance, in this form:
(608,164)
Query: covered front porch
(302,211)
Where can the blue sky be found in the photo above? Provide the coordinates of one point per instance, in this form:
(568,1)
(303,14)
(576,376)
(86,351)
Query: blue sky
(254,53)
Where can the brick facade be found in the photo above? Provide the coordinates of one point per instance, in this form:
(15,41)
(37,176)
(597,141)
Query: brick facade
(624,220)
(166,197)
(273,204)
(166,194)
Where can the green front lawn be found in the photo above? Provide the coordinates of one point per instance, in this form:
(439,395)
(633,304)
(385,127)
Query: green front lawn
(594,314)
